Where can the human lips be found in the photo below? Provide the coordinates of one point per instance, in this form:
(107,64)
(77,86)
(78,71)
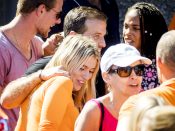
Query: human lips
(81,82)
(134,85)
(128,40)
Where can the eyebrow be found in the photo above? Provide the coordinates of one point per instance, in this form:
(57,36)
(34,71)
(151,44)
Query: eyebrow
(132,24)
(97,33)
(136,25)
(88,67)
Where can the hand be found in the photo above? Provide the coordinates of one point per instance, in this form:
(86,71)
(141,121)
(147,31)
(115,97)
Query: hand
(54,71)
(52,43)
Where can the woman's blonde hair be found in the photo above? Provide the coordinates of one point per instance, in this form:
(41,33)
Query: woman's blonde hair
(71,54)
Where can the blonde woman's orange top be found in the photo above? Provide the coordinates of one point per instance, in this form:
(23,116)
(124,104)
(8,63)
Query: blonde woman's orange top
(50,107)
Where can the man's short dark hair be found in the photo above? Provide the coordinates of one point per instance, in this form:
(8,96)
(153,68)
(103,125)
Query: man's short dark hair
(76,18)
(27,6)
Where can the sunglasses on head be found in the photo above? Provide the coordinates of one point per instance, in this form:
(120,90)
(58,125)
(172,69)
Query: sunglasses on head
(126,71)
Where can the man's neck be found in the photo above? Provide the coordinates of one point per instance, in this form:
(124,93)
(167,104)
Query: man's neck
(166,73)
(20,32)
(22,27)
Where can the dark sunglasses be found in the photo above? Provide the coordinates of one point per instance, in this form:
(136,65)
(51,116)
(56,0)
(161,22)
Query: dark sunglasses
(58,14)
(126,71)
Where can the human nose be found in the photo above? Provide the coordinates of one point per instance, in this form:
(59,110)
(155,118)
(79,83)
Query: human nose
(127,31)
(133,74)
(102,43)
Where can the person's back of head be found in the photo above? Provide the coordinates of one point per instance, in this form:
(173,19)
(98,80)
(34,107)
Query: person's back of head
(161,118)
(166,50)
(76,18)
(152,26)
(143,104)
(27,6)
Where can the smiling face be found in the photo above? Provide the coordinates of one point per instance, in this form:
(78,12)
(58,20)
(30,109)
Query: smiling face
(97,30)
(48,19)
(125,86)
(84,73)
(131,29)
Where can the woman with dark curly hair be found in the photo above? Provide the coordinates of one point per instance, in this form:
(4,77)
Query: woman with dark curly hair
(143,26)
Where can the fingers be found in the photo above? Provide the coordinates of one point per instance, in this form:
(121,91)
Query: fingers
(52,43)
(57,38)
(54,71)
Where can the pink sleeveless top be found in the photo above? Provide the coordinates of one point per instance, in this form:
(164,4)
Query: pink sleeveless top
(109,121)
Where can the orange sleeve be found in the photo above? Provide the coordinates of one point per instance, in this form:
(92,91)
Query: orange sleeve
(55,102)
(172,23)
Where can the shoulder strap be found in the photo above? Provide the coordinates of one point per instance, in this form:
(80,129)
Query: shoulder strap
(102,115)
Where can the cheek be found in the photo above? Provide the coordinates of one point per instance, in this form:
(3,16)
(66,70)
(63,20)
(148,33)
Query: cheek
(123,31)
(138,41)
(138,36)
(90,76)
(73,76)
(76,75)
(123,83)
(97,42)
(140,80)
(120,83)
(122,86)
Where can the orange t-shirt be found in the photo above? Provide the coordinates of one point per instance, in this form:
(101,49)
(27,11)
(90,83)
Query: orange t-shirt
(49,108)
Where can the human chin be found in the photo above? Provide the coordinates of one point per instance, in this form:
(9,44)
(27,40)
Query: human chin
(130,42)
(43,33)
(77,87)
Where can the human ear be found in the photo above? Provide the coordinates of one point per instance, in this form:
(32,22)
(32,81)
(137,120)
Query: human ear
(40,9)
(72,33)
(106,77)
(159,62)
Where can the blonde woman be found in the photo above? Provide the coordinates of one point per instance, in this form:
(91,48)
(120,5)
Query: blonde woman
(55,105)
(122,70)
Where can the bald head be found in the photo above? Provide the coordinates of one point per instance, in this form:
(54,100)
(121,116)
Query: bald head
(166,49)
